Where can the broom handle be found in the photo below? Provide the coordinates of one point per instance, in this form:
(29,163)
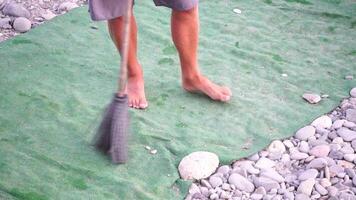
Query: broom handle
(124,50)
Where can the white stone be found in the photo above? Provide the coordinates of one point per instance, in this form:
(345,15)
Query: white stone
(304,147)
(322,122)
(263,163)
(312,98)
(48,15)
(66,6)
(305,133)
(338,123)
(306,186)
(237,11)
(22,24)
(241,183)
(353,92)
(272,174)
(350,157)
(198,165)
(276,147)
(320,150)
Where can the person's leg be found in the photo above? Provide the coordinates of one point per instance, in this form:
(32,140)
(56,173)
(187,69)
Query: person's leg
(185,31)
(135,85)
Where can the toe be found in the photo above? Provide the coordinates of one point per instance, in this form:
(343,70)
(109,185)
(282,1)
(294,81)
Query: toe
(143,104)
(226,91)
(136,104)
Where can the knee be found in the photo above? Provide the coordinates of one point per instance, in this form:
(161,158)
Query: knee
(186,14)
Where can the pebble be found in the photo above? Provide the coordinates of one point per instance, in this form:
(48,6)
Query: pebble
(301,197)
(310,173)
(304,147)
(325,182)
(22,24)
(272,174)
(306,186)
(322,122)
(288,143)
(48,15)
(350,157)
(317,163)
(346,134)
(305,133)
(237,11)
(263,163)
(198,165)
(5,22)
(153,151)
(320,151)
(351,115)
(311,98)
(298,155)
(15,10)
(349,77)
(266,183)
(322,191)
(353,92)
(338,123)
(254,157)
(66,6)
(241,183)
(332,191)
(215,181)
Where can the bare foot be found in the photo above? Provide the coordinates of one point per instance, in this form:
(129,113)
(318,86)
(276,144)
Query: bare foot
(136,92)
(202,84)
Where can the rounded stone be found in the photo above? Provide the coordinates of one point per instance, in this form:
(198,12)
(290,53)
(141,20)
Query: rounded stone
(198,165)
(215,181)
(311,98)
(305,133)
(276,147)
(22,24)
(306,186)
(241,183)
(346,134)
(322,122)
(310,173)
(353,92)
(16,10)
(304,147)
(320,151)
(66,6)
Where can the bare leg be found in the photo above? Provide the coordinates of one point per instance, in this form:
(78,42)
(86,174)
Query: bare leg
(185,31)
(135,86)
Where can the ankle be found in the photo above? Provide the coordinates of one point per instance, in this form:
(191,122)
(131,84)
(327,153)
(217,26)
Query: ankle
(135,71)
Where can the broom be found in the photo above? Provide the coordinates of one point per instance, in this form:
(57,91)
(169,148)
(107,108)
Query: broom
(113,132)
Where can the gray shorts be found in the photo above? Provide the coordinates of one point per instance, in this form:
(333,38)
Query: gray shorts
(110,9)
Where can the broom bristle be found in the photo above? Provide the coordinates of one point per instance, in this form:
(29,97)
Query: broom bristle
(113,132)
(119,130)
(103,135)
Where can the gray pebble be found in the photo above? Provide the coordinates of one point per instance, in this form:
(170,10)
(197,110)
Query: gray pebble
(310,173)
(305,133)
(346,134)
(22,24)
(322,191)
(215,181)
(16,10)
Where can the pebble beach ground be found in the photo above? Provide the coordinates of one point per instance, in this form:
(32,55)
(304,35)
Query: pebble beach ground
(19,16)
(318,162)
